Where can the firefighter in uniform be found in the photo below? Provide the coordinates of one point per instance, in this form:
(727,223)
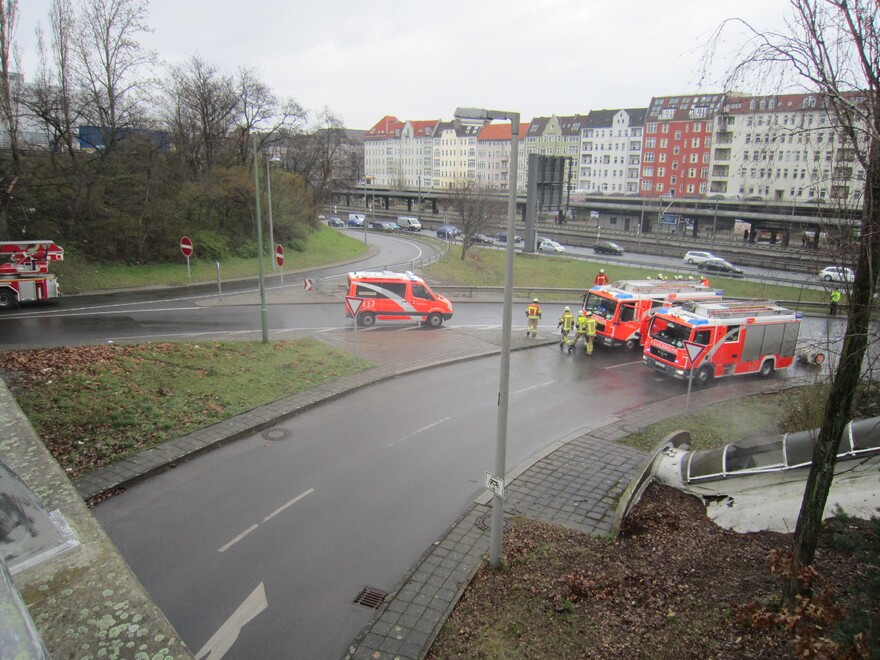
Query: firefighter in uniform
(566,323)
(601,278)
(580,327)
(591,332)
(533,314)
(835,300)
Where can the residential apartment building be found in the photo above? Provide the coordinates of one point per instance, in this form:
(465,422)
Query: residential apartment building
(677,145)
(455,153)
(382,150)
(611,152)
(782,147)
(556,136)
(493,156)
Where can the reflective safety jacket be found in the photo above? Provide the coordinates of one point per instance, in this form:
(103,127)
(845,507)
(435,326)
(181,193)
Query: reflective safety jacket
(591,326)
(835,296)
(533,311)
(581,325)
(566,321)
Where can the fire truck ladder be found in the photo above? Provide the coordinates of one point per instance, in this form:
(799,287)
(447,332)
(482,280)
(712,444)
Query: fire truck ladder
(732,309)
(649,287)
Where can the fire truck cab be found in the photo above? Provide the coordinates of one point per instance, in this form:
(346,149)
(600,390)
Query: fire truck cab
(24,271)
(389,296)
(737,337)
(622,310)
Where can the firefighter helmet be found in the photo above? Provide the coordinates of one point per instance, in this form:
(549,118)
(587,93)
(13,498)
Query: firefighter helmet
(583,312)
(567,308)
(601,270)
(535,300)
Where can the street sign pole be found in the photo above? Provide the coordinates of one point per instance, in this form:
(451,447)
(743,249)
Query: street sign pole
(186,247)
(279,259)
(694,351)
(354,304)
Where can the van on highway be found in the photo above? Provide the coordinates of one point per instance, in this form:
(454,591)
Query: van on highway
(409,223)
(356,220)
(389,296)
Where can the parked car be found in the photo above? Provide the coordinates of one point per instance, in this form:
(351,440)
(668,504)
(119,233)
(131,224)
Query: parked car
(694,257)
(382,225)
(482,239)
(336,222)
(448,231)
(502,237)
(354,221)
(837,274)
(717,265)
(551,247)
(607,247)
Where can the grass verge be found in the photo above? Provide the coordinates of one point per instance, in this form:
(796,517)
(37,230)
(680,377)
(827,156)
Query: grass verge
(92,405)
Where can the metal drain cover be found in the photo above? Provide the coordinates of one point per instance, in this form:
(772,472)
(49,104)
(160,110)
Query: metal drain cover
(485,522)
(371,597)
(275,434)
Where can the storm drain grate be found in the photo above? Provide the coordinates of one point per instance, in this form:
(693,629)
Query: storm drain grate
(371,597)
(276,434)
(484,522)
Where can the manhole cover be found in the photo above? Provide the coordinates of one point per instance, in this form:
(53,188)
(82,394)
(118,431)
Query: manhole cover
(485,522)
(371,597)
(276,434)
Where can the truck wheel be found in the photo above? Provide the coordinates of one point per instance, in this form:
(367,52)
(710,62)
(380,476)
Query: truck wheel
(631,344)
(766,368)
(435,320)
(703,376)
(6,299)
(367,319)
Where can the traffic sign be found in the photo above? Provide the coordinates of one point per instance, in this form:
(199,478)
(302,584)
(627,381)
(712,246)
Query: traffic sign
(354,304)
(694,350)
(279,255)
(307,284)
(495,484)
(186,246)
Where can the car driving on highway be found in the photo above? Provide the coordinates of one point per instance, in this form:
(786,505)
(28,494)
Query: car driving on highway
(717,265)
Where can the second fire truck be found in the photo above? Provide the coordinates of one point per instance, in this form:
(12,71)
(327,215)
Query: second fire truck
(733,338)
(24,271)
(622,309)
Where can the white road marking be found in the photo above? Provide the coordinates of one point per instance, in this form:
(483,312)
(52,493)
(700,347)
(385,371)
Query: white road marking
(266,519)
(416,432)
(625,364)
(222,640)
(534,387)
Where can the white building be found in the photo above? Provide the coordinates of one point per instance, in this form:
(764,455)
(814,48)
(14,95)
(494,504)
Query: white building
(611,152)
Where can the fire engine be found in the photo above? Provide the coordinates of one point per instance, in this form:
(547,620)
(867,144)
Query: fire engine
(24,274)
(622,309)
(732,337)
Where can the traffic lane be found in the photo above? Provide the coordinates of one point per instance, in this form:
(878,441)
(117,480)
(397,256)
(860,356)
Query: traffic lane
(392,466)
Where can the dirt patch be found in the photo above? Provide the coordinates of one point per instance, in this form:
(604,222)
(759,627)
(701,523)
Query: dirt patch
(673,585)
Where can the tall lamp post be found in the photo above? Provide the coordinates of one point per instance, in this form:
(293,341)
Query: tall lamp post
(264,324)
(367,180)
(269,203)
(506,323)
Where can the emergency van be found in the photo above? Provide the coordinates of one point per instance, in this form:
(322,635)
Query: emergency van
(728,338)
(622,309)
(388,296)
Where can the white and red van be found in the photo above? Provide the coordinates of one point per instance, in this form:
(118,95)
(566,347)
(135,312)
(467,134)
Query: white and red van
(389,296)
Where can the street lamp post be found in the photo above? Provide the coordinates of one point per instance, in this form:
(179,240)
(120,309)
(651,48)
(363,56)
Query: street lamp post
(264,324)
(269,201)
(506,323)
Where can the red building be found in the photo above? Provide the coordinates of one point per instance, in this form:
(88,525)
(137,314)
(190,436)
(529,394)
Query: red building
(677,145)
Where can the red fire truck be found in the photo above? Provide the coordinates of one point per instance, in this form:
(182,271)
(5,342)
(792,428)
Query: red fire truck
(24,271)
(731,337)
(622,309)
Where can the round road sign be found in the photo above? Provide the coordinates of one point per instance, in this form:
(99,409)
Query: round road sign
(279,255)
(186,246)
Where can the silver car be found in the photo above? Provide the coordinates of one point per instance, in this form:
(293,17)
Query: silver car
(695,257)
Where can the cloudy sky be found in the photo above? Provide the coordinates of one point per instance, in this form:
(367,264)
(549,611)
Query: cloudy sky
(420,60)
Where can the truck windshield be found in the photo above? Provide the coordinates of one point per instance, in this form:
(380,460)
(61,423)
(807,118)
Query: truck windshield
(669,332)
(600,306)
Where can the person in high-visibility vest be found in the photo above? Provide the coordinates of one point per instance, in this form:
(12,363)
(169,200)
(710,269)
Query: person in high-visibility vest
(533,314)
(580,331)
(704,280)
(835,299)
(601,278)
(566,324)
(591,332)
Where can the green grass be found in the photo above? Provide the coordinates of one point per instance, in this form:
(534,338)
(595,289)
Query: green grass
(100,404)
(486,268)
(322,247)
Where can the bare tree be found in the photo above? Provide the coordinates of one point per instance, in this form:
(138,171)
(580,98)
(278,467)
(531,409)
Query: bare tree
(9,84)
(111,66)
(832,48)
(476,210)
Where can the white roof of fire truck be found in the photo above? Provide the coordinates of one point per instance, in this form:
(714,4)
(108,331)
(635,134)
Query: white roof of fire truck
(729,312)
(42,249)
(385,275)
(657,289)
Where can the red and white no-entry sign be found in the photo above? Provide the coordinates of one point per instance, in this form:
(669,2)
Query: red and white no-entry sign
(279,255)
(186,246)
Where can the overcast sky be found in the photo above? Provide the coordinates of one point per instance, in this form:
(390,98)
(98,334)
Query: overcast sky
(419,60)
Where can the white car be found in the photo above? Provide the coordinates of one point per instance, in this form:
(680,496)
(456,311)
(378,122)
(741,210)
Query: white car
(550,246)
(837,274)
(695,257)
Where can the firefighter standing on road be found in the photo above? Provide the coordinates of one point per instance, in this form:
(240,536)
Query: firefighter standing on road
(835,299)
(566,323)
(591,332)
(580,328)
(533,313)
(601,278)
